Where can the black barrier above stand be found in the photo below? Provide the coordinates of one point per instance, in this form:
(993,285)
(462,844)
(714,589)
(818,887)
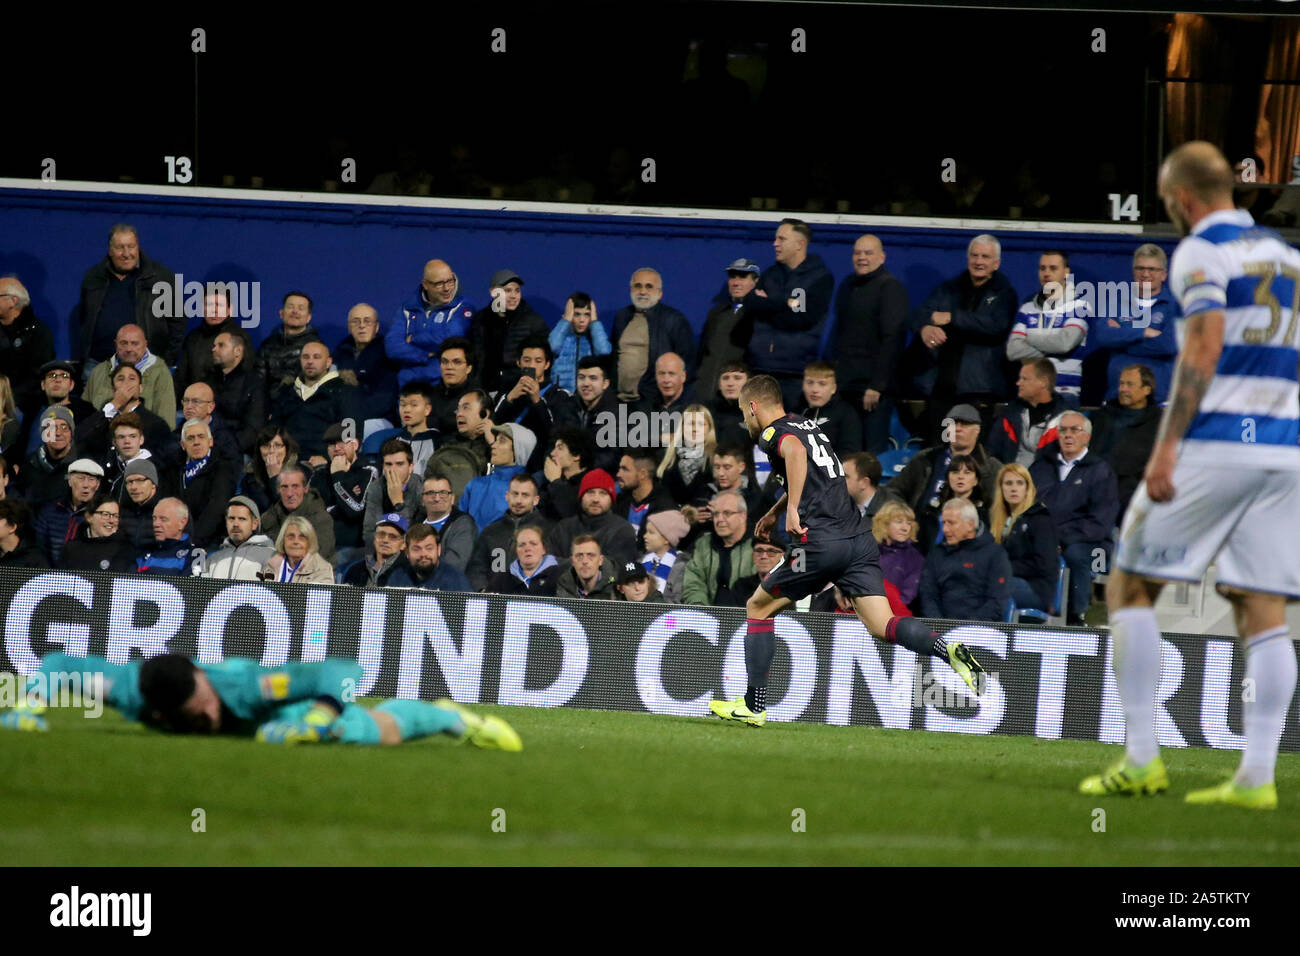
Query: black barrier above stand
(657,658)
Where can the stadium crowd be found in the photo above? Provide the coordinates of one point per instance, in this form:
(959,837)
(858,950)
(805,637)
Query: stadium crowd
(469,444)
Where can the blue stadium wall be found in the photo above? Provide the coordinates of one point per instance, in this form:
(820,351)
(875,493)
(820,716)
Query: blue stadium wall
(345,251)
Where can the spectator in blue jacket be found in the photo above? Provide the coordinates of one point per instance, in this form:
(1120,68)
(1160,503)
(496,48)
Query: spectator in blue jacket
(435,312)
(967,575)
(1144,334)
(484,498)
(645,330)
(788,311)
(576,336)
(364,354)
(171,554)
(419,567)
(962,328)
(1080,491)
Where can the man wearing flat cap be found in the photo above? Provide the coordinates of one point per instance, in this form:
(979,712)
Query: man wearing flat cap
(922,479)
(57,522)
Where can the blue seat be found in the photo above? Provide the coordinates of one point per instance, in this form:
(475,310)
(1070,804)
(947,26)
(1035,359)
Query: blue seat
(1009,615)
(893,461)
(1056,614)
(370,448)
(898,435)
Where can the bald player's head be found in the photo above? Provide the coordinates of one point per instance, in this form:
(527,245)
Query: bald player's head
(1195,180)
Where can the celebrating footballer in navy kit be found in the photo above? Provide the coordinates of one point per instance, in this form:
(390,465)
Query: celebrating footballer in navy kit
(832,543)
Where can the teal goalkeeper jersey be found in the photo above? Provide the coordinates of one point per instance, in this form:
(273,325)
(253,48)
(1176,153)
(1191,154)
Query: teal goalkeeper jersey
(252,694)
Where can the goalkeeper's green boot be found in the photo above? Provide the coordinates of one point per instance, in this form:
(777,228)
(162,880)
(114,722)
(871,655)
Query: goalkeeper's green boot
(1263,797)
(1127,778)
(737,710)
(963,662)
(490,733)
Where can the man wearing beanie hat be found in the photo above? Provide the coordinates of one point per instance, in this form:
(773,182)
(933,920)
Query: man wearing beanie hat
(246,550)
(140,481)
(663,532)
(499,330)
(596,518)
(484,498)
(58,380)
(44,475)
(58,521)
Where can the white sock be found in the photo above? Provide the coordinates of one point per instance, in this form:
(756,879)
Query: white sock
(1137,676)
(1271,666)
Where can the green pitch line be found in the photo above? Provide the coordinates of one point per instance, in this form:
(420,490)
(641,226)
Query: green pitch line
(612,788)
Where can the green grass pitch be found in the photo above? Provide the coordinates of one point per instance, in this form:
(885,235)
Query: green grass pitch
(612,788)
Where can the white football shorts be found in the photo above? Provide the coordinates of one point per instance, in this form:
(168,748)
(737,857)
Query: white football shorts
(1245,520)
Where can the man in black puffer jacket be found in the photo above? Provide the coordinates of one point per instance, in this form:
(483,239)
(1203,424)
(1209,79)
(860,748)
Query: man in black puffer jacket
(962,330)
(867,337)
(788,311)
(195,363)
(316,399)
(498,332)
(119,290)
(279,353)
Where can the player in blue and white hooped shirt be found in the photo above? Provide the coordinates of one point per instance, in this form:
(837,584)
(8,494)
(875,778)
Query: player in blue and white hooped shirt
(1223,481)
(1052,325)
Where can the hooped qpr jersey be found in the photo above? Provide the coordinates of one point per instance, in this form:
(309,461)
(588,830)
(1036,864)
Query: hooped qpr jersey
(1250,414)
(1054,314)
(825,507)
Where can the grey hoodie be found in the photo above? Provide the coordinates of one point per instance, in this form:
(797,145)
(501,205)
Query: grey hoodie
(239,562)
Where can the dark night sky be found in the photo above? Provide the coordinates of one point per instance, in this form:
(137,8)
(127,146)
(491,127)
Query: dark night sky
(879,99)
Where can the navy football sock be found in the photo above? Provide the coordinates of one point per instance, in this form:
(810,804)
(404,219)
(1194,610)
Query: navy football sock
(915,636)
(760,648)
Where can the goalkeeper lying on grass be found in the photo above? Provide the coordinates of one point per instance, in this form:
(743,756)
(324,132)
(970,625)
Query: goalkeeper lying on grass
(293,704)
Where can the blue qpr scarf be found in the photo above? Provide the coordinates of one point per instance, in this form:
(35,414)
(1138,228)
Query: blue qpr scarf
(195,466)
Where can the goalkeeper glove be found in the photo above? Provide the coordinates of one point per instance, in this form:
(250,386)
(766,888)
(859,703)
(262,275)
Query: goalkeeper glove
(25,718)
(314,728)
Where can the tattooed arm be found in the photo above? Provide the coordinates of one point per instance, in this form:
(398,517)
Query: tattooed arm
(1202,345)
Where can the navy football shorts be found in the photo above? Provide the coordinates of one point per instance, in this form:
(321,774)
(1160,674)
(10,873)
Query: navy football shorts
(851,564)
